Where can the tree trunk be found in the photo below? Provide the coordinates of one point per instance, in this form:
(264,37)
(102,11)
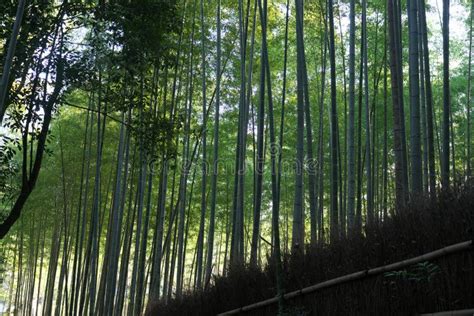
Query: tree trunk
(414,67)
(446,98)
(397,101)
(334,127)
(9,58)
(273,155)
(370,210)
(429,101)
(351,130)
(468,101)
(298,211)
(260,160)
(210,244)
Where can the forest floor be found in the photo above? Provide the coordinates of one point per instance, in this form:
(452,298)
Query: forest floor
(423,226)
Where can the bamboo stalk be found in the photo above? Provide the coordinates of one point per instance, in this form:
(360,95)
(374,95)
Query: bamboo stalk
(463,246)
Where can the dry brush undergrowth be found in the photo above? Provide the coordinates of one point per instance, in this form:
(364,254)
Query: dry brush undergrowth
(425,225)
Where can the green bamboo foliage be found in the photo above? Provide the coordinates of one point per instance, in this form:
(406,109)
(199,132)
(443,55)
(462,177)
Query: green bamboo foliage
(179,141)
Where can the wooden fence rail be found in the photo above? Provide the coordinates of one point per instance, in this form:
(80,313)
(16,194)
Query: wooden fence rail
(464,312)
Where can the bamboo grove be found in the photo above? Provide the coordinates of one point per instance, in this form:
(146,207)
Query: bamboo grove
(147,146)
